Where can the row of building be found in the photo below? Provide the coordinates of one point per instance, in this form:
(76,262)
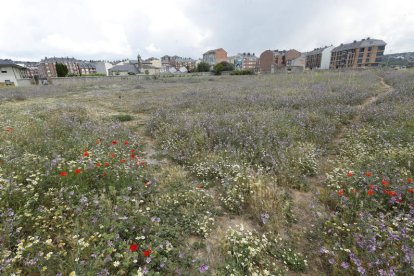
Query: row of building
(358,54)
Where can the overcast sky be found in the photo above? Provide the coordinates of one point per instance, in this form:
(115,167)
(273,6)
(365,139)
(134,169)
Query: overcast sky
(101,29)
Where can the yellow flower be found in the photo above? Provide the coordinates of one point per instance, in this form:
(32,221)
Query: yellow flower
(73,273)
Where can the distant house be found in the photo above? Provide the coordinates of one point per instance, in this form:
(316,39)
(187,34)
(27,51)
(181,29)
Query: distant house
(47,67)
(275,60)
(86,68)
(244,61)
(364,53)
(123,70)
(319,58)
(297,65)
(178,62)
(12,74)
(213,57)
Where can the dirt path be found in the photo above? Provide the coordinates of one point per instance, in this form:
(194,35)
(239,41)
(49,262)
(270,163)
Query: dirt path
(307,208)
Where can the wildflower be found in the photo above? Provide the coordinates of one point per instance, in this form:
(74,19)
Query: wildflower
(9,129)
(350,174)
(77,171)
(133,247)
(409,180)
(410,190)
(132,151)
(114,142)
(132,156)
(155,219)
(345,265)
(98,141)
(148,260)
(385,183)
(203,268)
(123,161)
(98,164)
(126,143)
(63,173)
(86,154)
(106,164)
(371,192)
(116,263)
(147,252)
(341,192)
(113,155)
(368,173)
(73,273)
(200,186)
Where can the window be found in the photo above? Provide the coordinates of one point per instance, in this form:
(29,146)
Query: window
(379,54)
(378,59)
(360,60)
(381,48)
(369,49)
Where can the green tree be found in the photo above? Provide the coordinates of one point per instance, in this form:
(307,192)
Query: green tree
(203,67)
(61,70)
(222,66)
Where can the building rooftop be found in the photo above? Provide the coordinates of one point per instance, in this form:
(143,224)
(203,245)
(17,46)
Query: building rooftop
(9,62)
(213,51)
(125,68)
(362,43)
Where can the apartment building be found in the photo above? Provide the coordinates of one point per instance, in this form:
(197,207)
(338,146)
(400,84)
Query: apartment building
(47,67)
(273,60)
(364,53)
(12,73)
(319,58)
(213,57)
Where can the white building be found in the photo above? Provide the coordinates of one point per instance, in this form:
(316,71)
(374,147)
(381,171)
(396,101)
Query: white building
(12,74)
(319,58)
(102,67)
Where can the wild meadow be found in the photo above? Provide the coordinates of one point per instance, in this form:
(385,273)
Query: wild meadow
(296,174)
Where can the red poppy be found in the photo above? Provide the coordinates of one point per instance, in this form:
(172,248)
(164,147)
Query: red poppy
(147,184)
(126,143)
(385,183)
(104,174)
(200,186)
(63,173)
(410,190)
(147,252)
(368,173)
(372,187)
(106,164)
(371,192)
(350,174)
(341,192)
(86,154)
(409,180)
(132,156)
(123,160)
(113,155)
(98,164)
(9,129)
(114,142)
(133,247)
(77,171)
(132,151)
(390,193)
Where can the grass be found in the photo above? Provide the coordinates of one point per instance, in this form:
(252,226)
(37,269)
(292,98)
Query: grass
(241,188)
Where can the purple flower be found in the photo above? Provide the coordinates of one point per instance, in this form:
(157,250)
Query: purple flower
(203,268)
(323,250)
(155,219)
(345,265)
(264,218)
(331,261)
(148,260)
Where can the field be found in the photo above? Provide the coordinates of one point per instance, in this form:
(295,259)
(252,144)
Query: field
(291,174)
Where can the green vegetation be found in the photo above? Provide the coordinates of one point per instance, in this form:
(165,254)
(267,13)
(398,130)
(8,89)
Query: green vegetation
(203,67)
(260,175)
(61,70)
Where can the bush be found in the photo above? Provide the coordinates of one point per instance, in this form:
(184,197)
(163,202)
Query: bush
(122,117)
(242,72)
(203,67)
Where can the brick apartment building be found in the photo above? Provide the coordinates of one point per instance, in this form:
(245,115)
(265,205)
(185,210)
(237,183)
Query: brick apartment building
(364,53)
(178,62)
(213,57)
(272,60)
(47,67)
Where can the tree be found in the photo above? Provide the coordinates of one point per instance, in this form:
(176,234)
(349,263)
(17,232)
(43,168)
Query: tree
(222,66)
(61,70)
(203,67)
